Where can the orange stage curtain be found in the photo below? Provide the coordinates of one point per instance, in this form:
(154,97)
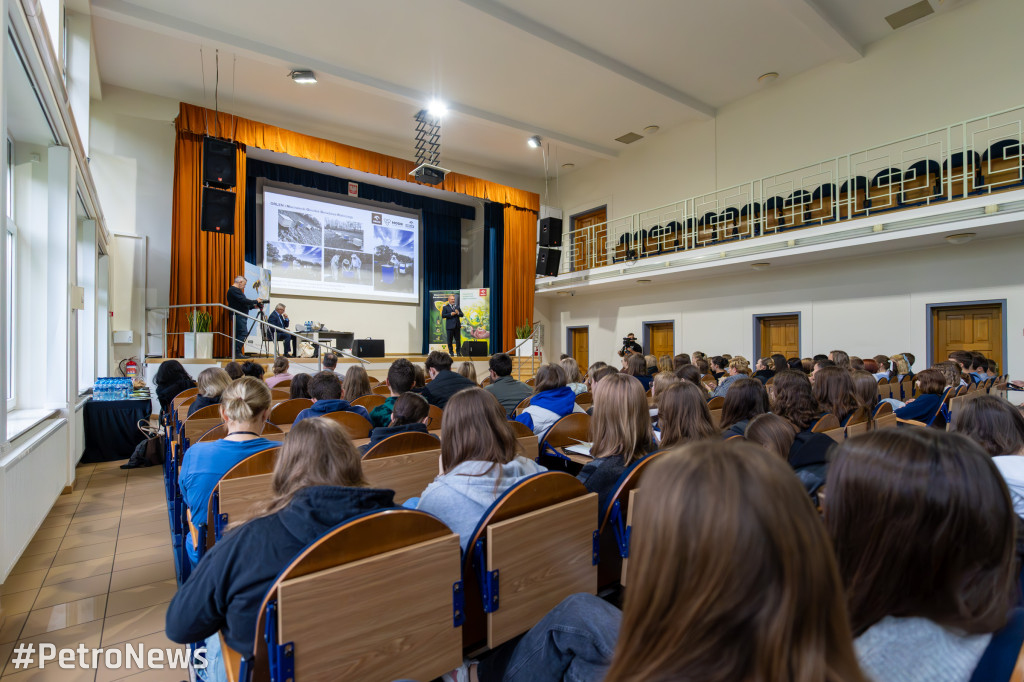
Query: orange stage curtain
(203,264)
(520,265)
(203,121)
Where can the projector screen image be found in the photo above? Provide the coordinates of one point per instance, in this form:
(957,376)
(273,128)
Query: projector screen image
(325,247)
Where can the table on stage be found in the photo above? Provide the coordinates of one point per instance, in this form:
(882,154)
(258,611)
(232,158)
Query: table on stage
(111,428)
(339,340)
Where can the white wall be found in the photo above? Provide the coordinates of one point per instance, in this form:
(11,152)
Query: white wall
(864,306)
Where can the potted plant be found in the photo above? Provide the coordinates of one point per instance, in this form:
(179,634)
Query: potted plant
(199,343)
(524,348)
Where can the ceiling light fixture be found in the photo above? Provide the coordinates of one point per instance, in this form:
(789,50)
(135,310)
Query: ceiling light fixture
(303,76)
(760,266)
(767,77)
(534,142)
(643,281)
(961,238)
(650,130)
(437,108)
(567,166)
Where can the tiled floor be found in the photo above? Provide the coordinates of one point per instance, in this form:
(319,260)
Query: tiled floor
(99,572)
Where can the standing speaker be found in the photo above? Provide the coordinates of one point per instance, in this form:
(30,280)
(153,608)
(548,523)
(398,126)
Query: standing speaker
(547,261)
(218,210)
(551,232)
(218,162)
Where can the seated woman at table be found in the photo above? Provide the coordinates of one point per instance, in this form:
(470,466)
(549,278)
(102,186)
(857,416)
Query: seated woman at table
(317,484)
(212,381)
(409,414)
(171,379)
(244,406)
(479,461)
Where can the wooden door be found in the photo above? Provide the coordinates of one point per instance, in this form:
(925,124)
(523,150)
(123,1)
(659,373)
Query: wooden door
(579,347)
(661,337)
(974,328)
(590,239)
(780,334)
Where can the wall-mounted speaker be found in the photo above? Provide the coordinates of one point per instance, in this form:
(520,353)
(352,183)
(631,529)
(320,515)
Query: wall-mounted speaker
(218,214)
(218,162)
(550,232)
(547,261)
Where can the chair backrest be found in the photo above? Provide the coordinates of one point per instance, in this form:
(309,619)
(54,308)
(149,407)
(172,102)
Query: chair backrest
(585,398)
(286,412)
(369,401)
(356,425)
(537,539)
(221,430)
(184,406)
(284,383)
(436,414)
(530,382)
(523,404)
(907,387)
(194,427)
(408,474)
(373,380)
(277,394)
(520,429)
(568,430)
(177,400)
(208,412)
(858,422)
(884,417)
(244,486)
(716,403)
(825,423)
(884,391)
(612,526)
(629,526)
(405,631)
(401,444)
(382,390)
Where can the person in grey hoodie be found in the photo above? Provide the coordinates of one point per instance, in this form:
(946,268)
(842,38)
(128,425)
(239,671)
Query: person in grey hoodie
(551,400)
(479,461)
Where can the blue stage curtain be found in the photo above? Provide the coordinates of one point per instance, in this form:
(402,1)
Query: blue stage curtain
(442,260)
(494,249)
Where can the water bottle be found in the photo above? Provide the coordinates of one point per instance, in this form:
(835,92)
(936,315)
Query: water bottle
(98,389)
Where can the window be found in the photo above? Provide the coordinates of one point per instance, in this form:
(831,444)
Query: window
(11,243)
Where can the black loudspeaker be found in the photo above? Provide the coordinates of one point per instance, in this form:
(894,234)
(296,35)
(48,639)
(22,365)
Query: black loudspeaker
(368,348)
(218,210)
(547,261)
(474,349)
(218,162)
(550,232)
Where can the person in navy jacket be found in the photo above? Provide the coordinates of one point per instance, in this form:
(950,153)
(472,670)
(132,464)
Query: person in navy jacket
(452,315)
(279,318)
(931,384)
(242,305)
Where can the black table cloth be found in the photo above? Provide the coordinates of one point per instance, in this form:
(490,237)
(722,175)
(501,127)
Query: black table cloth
(111,428)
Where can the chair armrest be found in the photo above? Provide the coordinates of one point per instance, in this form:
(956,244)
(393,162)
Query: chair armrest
(912,422)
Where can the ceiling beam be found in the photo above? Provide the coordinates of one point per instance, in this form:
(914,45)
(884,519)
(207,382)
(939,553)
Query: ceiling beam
(821,23)
(560,40)
(128,13)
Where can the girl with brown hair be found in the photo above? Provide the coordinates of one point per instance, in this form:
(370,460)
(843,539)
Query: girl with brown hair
(299,387)
(636,366)
(998,427)
(479,461)
(620,430)
(771,432)
(683,416)
(356,383)
(573,377)
(931,385)
(691,373)
(317,484)
(211,383)
(551,400)
(409,414)
(468,370)
(865,390)
(665,364)
(794,401)
(833,389)
(695,609)
(923,530)
(841,358)
(280,370)
(745,400)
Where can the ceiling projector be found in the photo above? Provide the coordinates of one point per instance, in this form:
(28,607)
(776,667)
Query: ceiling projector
(431,175)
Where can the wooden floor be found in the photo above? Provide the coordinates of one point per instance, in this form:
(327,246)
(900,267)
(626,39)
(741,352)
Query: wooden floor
(100,571)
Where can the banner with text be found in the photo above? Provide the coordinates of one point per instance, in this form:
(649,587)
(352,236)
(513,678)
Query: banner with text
(476,323)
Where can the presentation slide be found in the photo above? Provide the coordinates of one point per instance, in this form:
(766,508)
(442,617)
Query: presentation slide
(314,246)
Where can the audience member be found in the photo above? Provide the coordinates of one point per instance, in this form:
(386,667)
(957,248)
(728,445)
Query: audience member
(253,369)
(636,367)
(409,413)
(330,364)
(738,369)
(317,484)
(444,383)
(869,365)
(807,365)
(794,401)
(951,373)
(683,416)
(479,461)
(551,399)
(901,366)
(211,382)
(508,391)
(840,358)
(929,572)
(998,427)
(979,368)
(680,360)
(280,371)
(421,379)
(468,370)
(884,367)
(717,366)
(834,391)
(234,370)
(171,379)
(692,374)
(665,364)
(356,383)
(856,363)
(764,369)
(865,390)
(703,366)
(573,377)
(400,378)
(963,360)
(745,400)
(820,364)
(931,385)
(662,380)
(773,433)
(793,363)
(594,377)
(697,355)
(652,365)
(300,386)
(244,406)
(328,396)
(621,433)
(778,362)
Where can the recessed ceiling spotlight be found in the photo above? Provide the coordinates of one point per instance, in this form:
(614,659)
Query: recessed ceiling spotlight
(760,266)
(567,166)
(643,281)
(563,293)
(767,77)
(961,238)
(303,76)
(650,130)
(436,108)
(534,141)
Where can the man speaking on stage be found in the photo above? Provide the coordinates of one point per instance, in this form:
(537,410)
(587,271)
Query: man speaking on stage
(452,314)
(240,304)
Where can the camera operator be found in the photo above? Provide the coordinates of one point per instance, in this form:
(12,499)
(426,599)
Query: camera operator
(630,346)
(239,303)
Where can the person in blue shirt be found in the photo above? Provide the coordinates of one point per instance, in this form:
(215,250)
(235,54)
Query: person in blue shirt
(327,395)
(551,399)
(244,406)
(931,384)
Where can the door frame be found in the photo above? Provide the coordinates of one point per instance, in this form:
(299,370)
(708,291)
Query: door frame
(764,316)
(930,308)
(572,226)
(646,334)
(568,341)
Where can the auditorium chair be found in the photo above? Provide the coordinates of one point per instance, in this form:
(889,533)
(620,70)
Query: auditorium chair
(628,247)
(486,382)
(884,192)
(177,400)
(859,422)
(277,394)
(883,418)
(795,210)
(749,223)
(853,197)
(963,181)
(183,407)
(403,443)
(407,467)
(883,389)
(287,383)
(286,412)
(706,229)
(613,527)
(922,183)
(896,387)
(629,530)
(533,547)
(569,430)
(822,208)
(523,404)
(908,388)
(938,418)
(773,215)
(384,390)
(1001,165)
(369,401)
(374,381)
(377,598)
(356,425)
(235,497)
(825,423)
(520,429)
(220,430)
(436,414)
(585,399)
(728,224)
(651,245)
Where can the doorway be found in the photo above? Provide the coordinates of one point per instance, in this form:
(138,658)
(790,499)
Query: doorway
(578,344)
(590,239)
(660,338)
(975,327)
(777,334)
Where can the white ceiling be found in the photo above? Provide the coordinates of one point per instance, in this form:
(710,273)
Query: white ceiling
(577,72)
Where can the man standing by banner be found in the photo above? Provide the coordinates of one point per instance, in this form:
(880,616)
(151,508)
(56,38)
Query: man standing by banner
(239,303)
(452,315)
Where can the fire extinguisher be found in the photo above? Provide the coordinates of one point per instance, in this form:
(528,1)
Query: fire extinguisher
(131,368)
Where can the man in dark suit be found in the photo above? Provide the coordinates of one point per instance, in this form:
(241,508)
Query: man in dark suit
(239,303)
(444,383)
(279,318)
(452,315)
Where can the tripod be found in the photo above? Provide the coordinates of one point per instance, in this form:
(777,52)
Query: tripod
(264,342)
